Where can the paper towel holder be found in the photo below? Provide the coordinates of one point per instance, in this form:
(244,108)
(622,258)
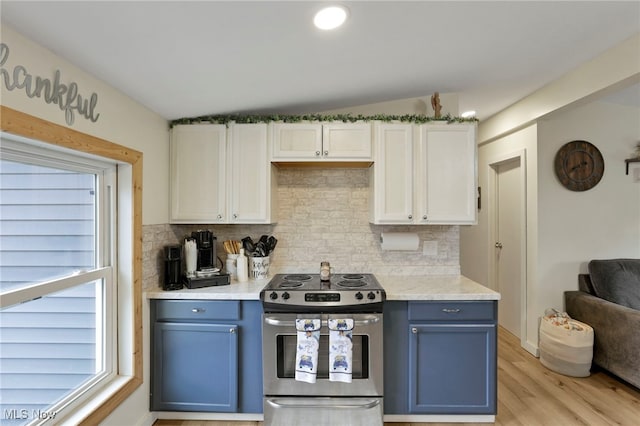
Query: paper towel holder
(399,241)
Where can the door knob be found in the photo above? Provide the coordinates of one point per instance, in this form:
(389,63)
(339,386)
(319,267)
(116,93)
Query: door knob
(499,245)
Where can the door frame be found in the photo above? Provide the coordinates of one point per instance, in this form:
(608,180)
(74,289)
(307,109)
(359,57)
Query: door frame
(492,175)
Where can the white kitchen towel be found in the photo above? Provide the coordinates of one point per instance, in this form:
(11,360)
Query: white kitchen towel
(340,349)
(308,331)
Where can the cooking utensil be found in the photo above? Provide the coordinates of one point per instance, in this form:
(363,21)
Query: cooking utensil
(231,247)
(271,244)
(260,250)
(248,245)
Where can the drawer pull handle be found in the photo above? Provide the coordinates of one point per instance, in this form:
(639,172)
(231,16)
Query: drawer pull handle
(450,311)
(198,310)
(414,330)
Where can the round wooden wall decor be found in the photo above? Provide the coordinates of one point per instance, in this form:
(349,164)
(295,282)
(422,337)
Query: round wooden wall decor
(579,165)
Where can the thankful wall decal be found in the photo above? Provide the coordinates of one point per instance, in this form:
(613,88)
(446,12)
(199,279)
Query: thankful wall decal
(66,96)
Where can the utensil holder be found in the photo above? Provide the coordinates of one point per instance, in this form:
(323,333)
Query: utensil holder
(259,267)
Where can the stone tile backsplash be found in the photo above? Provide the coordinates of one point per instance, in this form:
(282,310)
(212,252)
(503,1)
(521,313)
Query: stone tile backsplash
(322,215)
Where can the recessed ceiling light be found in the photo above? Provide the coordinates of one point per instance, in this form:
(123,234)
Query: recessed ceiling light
(330,17)
(468,114)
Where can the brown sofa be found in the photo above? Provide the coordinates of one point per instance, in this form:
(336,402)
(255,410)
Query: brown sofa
(608,300)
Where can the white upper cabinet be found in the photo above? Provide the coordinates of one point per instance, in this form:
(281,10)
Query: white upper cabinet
(221,175)
(348,141)
(447,174)
(251,175)
(391,176)
(321,142)
(424,174)
(198,173)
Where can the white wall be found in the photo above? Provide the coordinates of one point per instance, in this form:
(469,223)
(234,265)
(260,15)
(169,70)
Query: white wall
(476,243)
(601,223)
(564,229)
(410,106)
(121,121)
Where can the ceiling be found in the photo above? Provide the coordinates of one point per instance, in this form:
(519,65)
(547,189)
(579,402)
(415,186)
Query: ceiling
(192,58)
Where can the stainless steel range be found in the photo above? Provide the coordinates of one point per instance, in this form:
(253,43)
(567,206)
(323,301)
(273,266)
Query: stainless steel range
(335,394)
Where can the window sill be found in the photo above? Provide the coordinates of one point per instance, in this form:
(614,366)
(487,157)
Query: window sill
(104,401)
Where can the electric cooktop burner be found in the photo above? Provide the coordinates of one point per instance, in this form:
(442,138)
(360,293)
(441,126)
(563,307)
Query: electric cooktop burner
(307,293)
(349,283)
(294,277)
(290,284)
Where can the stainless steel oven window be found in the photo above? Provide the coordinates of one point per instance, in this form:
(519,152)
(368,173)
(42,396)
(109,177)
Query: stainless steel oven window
(286,359)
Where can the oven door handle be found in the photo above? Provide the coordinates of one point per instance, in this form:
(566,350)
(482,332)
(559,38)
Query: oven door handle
(280,403)
(287,323)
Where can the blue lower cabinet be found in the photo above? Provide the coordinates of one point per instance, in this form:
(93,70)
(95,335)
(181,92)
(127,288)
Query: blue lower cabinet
(195,367)
(452,369)
(440,357)
(205,356)
(396,358)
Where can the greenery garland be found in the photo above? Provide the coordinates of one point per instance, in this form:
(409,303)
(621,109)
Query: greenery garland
(345,118)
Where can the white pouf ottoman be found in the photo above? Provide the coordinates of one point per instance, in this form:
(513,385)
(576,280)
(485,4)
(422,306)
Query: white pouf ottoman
(566,345)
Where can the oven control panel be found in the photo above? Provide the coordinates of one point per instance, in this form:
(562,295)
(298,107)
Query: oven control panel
(326,298)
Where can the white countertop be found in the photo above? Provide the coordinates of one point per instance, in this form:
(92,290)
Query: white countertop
(234,291)
(432,287)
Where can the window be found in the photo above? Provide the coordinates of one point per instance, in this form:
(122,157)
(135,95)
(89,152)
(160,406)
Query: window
(56,279)
(96,300)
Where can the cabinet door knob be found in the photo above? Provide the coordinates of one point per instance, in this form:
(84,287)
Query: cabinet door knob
(498,245)
(232,330)
(235,215)
(317,153)
(326,153)
(414,330)
(410,216)
(424,217)
(219,216)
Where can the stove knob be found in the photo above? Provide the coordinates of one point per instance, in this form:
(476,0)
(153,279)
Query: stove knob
(273,295)
(285,295)
(371,295)
(359,296)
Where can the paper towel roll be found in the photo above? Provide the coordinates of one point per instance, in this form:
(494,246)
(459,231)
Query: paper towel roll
(399,241)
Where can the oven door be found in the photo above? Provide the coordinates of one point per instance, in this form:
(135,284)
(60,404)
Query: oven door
(279,351)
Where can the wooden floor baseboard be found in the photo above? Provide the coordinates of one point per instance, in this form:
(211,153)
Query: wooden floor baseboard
(529,394)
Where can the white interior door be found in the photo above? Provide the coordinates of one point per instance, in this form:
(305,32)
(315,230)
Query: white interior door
(508,244)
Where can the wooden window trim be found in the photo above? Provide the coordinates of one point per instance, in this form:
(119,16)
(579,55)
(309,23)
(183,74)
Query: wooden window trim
(22,124)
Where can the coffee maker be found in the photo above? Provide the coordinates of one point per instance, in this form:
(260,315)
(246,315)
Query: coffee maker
(172,268)
(200,253)
(206,245)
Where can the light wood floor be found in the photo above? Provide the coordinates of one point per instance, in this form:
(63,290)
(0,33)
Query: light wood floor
(529,394)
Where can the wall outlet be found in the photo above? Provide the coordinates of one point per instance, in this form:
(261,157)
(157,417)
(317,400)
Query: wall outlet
(430,248)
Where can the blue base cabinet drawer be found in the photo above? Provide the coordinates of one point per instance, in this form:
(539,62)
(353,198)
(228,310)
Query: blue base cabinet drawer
(197,310)
(452,311)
